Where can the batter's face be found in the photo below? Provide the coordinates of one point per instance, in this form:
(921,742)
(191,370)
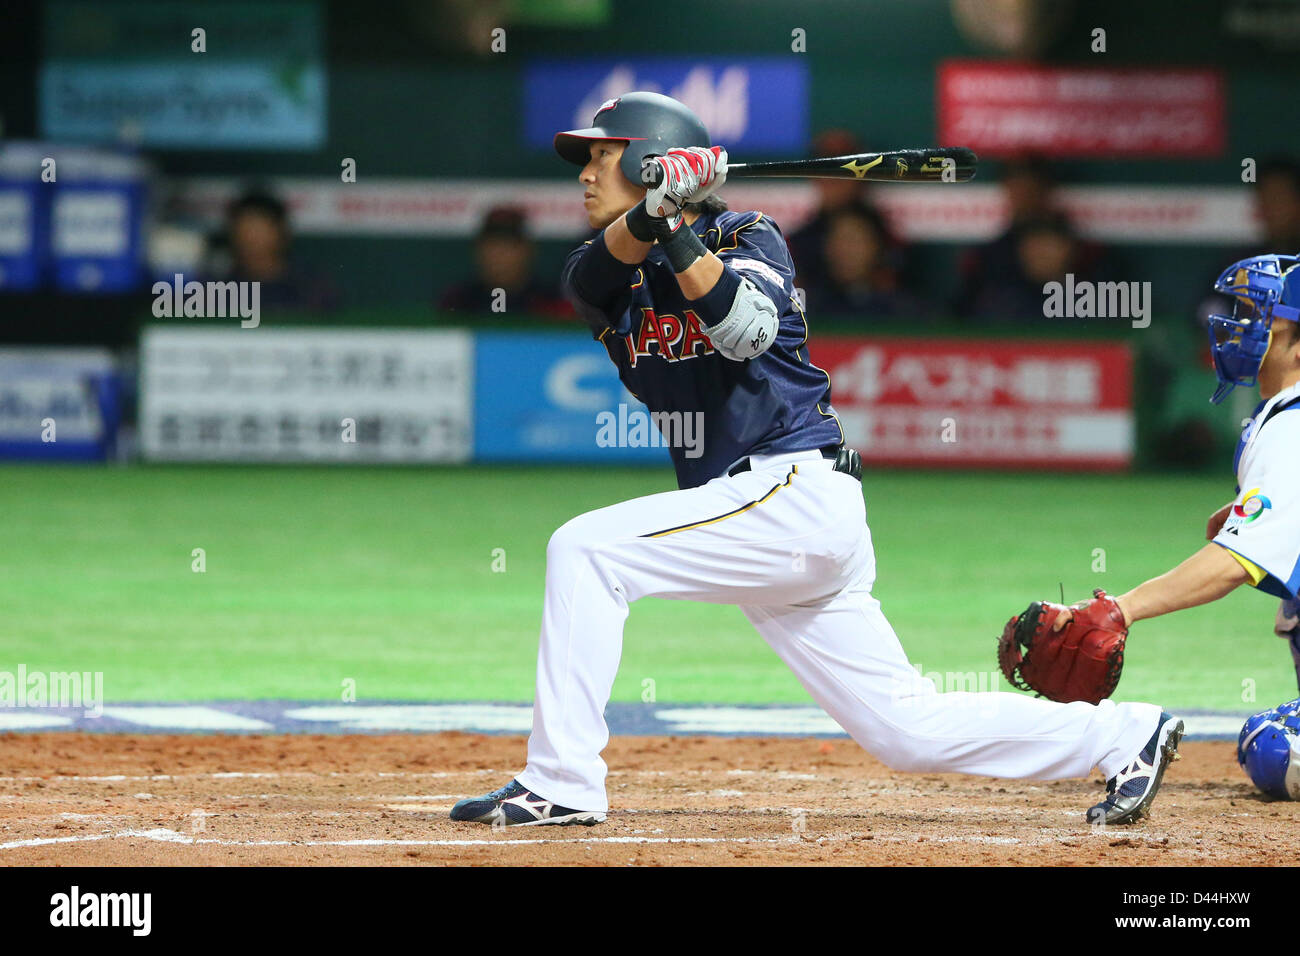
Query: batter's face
(608,193)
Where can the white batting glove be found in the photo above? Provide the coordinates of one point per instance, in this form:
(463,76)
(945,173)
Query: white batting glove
(677,182)
(710,164)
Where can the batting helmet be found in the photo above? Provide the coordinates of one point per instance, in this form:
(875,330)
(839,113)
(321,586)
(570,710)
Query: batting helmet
(650,124)
(1268,749)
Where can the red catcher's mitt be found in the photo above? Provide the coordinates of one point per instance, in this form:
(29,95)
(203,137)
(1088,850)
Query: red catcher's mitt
(1082,661)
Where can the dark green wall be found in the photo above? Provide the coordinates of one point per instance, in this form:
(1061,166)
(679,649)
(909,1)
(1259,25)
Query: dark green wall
(872,66)
(403,106)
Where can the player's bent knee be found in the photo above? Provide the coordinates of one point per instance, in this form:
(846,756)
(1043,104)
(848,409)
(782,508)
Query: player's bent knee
(572,544)
(566,545)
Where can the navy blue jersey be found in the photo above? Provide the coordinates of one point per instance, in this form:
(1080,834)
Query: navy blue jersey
(773,403)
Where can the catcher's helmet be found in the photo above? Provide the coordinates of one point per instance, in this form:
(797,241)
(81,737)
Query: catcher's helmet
(1268,749)
(1263,288)
(650,123)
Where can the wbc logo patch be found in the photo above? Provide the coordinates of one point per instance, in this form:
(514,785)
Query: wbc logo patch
(1252,506)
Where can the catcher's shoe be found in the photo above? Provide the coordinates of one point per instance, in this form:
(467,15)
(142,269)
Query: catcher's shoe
(514,805)
(1129,793)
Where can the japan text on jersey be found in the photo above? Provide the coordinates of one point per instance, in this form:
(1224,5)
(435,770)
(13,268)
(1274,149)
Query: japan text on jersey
(776,402)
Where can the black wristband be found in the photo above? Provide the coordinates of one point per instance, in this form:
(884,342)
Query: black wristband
(681,245)
(638,223)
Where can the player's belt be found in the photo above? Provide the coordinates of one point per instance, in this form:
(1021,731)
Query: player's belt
(846,460)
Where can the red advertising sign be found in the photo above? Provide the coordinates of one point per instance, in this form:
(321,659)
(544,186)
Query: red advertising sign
(999,108)
(971,403)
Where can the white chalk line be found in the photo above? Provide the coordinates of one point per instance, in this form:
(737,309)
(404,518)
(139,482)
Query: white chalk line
(163,835)
(166,835)
(241,775)
(405,774)
(420,805)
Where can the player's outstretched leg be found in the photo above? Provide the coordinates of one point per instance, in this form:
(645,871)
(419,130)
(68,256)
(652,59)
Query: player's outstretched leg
(847,656)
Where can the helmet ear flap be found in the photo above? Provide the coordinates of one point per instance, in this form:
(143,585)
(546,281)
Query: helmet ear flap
(634,166)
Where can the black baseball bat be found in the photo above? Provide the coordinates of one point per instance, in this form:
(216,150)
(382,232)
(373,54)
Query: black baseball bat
(942,164)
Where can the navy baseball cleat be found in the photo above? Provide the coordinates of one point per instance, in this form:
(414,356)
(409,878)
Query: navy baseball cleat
(1130,792)
(514,805)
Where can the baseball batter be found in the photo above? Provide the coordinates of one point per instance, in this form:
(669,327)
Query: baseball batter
(696,306)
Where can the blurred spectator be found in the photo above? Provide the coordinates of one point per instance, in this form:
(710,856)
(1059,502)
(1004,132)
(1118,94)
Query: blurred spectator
(1277,204)
(1027,186)
(999,270)
(858,278)
(503,257)
(255,247)
(1277,208)
(1044,249)
(808,242)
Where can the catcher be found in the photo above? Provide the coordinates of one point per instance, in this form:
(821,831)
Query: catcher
(1076,653)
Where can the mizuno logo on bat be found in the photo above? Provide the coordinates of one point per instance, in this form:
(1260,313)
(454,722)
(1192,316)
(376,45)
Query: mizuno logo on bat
(858,170)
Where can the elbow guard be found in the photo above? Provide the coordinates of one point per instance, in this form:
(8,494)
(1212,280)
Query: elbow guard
(749,327)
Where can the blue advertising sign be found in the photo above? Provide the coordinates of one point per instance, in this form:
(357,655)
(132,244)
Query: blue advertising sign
(552,397)
(235,74)
(24,217)
(58,404)
(750,105)
(199,105)
(97,221)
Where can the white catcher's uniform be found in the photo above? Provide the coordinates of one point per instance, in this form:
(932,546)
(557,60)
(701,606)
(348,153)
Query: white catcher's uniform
(788,542)
(1263,527)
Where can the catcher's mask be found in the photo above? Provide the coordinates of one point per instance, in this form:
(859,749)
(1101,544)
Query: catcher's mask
(1263,288)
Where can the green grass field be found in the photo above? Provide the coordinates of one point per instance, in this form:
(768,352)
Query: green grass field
(385,576)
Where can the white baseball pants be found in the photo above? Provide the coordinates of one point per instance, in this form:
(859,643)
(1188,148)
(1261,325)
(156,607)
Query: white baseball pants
(788,542)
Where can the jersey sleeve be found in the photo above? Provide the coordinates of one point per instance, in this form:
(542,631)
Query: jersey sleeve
(752,246)
(599,316)
(1256,573)
(1263,526)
